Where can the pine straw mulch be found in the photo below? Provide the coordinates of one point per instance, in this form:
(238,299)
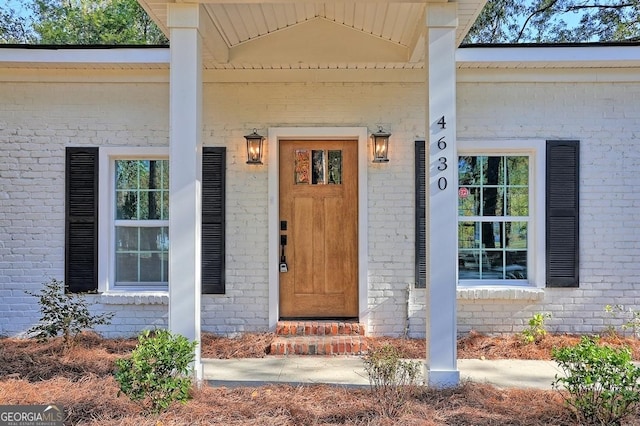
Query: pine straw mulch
(81,380)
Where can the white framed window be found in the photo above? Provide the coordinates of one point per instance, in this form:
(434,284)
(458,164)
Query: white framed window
(501,213)
(134,219)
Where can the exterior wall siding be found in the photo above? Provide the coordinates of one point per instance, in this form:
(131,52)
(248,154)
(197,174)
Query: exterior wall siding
(40,119)
(37,121)
(606,120)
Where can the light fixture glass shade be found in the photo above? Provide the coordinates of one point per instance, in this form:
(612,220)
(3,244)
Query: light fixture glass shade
(254,147)
(380,146)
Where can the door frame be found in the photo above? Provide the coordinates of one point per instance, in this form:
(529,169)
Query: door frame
(358,135)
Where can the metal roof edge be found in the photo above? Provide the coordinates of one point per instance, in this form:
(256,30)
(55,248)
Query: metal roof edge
(81,46)
(558,45)
(565,53)
(84,54)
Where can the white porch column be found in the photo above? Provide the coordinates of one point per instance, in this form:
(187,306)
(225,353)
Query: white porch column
(185,168)
(442,195)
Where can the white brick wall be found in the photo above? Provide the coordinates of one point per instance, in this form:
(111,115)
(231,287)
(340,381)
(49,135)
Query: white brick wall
(605,117)
(48,117)
(37,120)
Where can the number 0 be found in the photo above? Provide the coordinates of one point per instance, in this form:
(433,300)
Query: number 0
(442,183)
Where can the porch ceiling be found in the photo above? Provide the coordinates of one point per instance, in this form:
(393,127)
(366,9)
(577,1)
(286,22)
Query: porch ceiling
(305,34)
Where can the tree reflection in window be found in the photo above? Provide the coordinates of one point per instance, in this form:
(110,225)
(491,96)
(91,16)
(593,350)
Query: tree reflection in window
(141,226)
(493,210)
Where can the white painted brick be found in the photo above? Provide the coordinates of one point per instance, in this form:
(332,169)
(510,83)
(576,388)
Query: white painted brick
(32,181)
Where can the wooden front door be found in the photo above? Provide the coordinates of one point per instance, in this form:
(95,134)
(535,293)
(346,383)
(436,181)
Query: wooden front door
(319,209)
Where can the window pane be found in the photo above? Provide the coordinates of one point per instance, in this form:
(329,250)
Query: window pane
(492,171)
(492,266)
(491,235)
(126,174)
(516,265)
(126,267)
(165,206)
(518,171)
(126,239)
(126,205)
(142,254)
(517,202)
(469,201)
(142,189)
(468,235)
(469,170)
(469,264)
(335,167)
(151,267)
(516,235)
(492,202)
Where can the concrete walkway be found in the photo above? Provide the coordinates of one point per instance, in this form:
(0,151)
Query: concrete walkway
(349,371)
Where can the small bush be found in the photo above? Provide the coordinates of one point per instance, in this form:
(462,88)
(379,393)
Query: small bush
(158,370)
(612,313)
(601,381)
(391,378)
(64,314)
(626,319)
(536,330)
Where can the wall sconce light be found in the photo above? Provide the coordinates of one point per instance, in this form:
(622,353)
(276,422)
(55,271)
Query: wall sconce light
(380,146)
(254,147)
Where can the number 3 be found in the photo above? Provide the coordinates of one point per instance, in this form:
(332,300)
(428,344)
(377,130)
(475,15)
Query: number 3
(443,164)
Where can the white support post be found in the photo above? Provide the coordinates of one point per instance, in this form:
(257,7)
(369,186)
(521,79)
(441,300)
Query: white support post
(185,169)
(442,217)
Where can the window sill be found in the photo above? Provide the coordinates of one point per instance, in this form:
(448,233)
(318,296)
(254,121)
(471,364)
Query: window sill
(135,298)
(500,293)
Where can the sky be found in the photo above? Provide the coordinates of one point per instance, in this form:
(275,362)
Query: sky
(17,5)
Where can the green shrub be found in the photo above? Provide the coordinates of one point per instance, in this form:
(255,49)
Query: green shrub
(536,330)
(630,320)
(391,378)
(158,370)
(63,313)
(633,323)
(602,382)
(612,317)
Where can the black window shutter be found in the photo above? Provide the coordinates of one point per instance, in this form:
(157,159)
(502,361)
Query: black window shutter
(81,220)
(213,218)
(562,219)
(421,206)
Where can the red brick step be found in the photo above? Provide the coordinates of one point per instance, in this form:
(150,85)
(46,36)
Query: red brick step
(319,338)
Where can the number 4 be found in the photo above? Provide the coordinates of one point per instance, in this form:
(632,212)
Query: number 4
(442,123)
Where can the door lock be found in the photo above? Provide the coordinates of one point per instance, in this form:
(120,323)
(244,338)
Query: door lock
(283,258)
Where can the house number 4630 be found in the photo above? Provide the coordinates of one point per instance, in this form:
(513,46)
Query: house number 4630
(442,161)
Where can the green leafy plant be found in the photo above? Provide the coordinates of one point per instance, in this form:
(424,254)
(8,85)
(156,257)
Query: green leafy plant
(612,313)
(64,313)
(158,370)
(617,315)
(633,323)
(536,330)
(391,378)
(602,382)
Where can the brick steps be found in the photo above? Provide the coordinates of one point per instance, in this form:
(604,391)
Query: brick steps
(319,338)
